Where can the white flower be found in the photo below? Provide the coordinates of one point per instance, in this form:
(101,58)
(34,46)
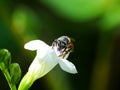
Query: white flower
(46,59)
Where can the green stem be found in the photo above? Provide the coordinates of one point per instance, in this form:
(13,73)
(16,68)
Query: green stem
(8,78)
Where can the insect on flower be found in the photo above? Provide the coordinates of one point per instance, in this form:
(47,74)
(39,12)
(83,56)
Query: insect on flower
(47,57)
(63,46)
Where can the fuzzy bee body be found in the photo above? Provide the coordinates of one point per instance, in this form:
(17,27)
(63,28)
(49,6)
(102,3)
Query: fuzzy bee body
(63,46)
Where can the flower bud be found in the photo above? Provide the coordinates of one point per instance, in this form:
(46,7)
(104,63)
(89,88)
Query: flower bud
(5,57)
(15,73)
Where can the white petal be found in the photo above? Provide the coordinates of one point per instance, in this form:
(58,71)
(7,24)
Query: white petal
(40,67)
(67,66)
(45,60)
(36,44)
(47,55)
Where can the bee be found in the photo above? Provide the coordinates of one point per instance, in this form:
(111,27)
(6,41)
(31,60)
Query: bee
(63,46)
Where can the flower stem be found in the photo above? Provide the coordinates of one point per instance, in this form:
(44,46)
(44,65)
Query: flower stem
(26,81)
(8,78)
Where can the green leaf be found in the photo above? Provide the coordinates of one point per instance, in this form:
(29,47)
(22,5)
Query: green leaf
(15,73)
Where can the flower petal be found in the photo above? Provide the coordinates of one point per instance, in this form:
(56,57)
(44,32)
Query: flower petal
(39,67)
(36,44)
(45,59)
(67,66)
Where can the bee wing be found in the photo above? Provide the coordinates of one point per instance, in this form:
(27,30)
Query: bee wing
(67,66)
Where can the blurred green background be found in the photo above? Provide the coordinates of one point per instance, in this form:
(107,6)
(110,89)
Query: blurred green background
(95,26)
